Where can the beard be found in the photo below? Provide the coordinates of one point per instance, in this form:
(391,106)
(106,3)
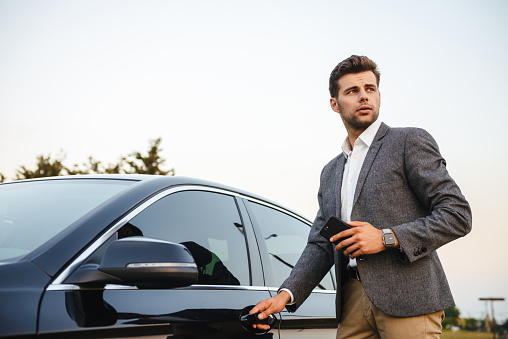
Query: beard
(359,122)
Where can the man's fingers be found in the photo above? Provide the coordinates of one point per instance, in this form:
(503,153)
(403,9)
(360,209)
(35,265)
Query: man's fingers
(344,243)
(355,253)
(264,308)
(350,249)
(261,327)
(357,223)
(263,315)
(343,234)
(270,306)
(268,311)
(260,307)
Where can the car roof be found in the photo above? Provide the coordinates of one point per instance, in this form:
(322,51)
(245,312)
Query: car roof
(162,181)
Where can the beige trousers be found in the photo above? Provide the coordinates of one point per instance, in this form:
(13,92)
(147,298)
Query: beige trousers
(362,320)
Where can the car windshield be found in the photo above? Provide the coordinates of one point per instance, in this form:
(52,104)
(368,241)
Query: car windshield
(32,212)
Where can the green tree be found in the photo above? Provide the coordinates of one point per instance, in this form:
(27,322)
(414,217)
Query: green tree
(471,324)
(452,312)
(95,167)
(46,167)
(503,327)
(149,164)
(452,317)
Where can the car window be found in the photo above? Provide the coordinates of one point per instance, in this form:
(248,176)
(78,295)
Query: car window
(32,212)
(208,224)
(285,237)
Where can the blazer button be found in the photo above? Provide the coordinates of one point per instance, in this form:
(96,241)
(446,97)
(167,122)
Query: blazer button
(424,249)
(416,252)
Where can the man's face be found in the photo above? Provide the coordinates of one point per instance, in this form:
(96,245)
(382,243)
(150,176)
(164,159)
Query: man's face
(358,101)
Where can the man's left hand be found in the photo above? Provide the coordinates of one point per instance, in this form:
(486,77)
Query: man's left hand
(365,239)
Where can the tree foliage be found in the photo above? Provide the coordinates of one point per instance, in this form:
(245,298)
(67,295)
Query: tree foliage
(135,162)
(452,312)
(46,167)
(452,317)
(93,166)
(471,324)
(149,164)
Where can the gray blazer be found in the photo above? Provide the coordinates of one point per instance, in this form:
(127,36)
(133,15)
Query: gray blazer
(403,185)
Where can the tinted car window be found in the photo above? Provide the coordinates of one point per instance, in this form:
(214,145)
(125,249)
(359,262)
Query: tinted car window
(32,212)
(285,238)
(208,224)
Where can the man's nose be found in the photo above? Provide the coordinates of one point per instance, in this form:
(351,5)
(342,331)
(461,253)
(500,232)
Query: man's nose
(363,95)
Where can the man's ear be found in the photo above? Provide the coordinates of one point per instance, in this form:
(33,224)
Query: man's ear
(334,105)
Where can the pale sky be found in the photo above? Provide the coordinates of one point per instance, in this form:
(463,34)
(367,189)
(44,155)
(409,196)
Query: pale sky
(238,92)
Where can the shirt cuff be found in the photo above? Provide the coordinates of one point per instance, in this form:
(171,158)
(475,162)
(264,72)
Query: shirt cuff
(292,301)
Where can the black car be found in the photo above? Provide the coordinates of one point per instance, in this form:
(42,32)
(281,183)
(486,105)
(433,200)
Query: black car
(124,256)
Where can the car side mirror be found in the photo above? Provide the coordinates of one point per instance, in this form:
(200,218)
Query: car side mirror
(141,262)
(149,262)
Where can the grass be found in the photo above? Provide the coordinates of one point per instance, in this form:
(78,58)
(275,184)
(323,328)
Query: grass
(466,335)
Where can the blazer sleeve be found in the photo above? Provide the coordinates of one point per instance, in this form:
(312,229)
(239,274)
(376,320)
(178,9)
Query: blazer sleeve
(316,259)
(449,214)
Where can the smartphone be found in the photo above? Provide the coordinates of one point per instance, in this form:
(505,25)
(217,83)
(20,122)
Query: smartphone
(333,226)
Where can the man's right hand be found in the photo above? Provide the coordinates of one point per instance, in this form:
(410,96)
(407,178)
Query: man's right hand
(269,306)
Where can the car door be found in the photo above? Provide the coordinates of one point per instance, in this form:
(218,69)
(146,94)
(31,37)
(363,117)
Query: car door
(282,236)
(209,223)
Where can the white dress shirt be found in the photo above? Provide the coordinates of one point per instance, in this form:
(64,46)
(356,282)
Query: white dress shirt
(354,161)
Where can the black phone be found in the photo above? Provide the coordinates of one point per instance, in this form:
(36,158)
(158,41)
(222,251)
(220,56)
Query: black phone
(333,226)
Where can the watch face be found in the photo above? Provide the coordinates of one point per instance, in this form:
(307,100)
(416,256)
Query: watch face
(388,239)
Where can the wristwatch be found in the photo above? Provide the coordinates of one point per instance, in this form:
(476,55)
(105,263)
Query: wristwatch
(388,238)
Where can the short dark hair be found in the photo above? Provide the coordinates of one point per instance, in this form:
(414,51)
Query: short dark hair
(353,64)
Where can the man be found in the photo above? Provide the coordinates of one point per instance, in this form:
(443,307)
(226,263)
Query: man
(392,186)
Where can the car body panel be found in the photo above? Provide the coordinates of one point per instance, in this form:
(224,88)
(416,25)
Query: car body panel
(192,312)
(21,288)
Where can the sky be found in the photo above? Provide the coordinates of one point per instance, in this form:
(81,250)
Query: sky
(238,92)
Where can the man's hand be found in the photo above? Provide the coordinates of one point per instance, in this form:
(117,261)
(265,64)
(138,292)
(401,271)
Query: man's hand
(269,306)
(365,239)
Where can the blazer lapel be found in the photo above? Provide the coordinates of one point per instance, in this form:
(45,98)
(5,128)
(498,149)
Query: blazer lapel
(369,159)
(341,161)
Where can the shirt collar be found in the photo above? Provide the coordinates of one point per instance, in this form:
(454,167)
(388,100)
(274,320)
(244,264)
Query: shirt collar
(367,137)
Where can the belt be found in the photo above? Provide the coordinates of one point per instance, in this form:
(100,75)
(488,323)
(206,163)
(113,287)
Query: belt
(352,273)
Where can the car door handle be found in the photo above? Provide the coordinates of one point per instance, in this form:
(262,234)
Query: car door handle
(251,319)
(247,320)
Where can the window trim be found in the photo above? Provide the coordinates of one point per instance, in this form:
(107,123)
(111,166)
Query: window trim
(280,209)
